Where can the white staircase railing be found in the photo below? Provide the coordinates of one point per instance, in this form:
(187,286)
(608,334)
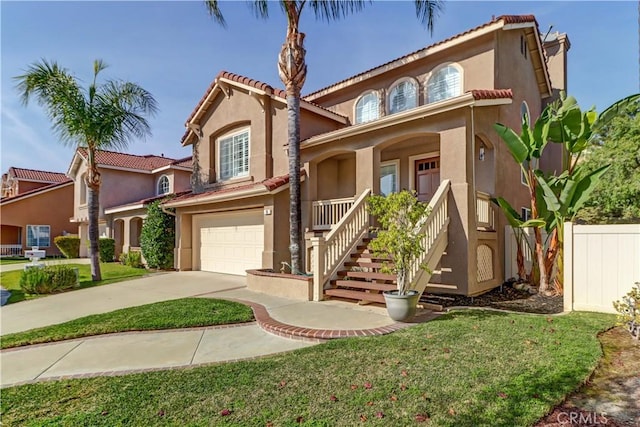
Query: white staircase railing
(326,213)
(329,252)
(485,214)
(435,239)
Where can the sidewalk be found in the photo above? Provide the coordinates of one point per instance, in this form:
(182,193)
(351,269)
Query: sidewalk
(121,353)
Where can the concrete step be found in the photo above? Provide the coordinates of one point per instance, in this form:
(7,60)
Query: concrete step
(366,264)
(370,256)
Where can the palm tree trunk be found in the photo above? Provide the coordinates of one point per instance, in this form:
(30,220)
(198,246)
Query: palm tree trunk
(293,72)
(93,184)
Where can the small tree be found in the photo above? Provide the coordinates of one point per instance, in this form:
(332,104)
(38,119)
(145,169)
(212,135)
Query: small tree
(157,238)
(400,215)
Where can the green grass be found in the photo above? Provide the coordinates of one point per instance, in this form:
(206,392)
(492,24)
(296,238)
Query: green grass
(111,273)
(468,368)
(7,261)
(180,313)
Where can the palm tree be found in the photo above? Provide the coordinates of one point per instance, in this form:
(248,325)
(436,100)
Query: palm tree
(293,72)
(109,115)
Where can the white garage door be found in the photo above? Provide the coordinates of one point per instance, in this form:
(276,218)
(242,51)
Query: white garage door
(230,242)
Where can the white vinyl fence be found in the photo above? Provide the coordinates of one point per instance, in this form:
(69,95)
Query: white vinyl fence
(602,262)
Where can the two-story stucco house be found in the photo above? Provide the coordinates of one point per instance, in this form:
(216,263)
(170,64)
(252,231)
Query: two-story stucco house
(129,183)
(26,214)
(422,122)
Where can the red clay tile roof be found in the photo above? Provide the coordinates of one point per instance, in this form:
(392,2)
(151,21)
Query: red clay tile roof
(150,200)
(507,19)
(35,191)
(187,162)
(38,175)
(270,184)
(491,93)
(147,162)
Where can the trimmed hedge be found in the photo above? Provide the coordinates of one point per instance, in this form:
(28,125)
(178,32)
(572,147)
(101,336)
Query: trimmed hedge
(157,238)
(68,245)
(132,259)
(49,279)
(107,249)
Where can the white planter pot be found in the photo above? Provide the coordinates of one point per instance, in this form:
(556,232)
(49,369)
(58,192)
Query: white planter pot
(401,307)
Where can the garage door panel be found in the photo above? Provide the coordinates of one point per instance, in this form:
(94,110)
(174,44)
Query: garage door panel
(230,243)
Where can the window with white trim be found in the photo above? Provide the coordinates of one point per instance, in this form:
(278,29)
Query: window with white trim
(367,107)
(525,213)
(39,235)
(444,84)
(163,185)
(388,177)
(83,189)
(233,155)
(403,96)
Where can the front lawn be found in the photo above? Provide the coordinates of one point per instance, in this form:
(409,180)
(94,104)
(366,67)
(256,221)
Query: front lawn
(180,313)
(467,368)
(112,272)
(12,260)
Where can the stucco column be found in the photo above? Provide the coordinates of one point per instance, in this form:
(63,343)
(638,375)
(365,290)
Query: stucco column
(126,235)
(367,170)
(459,264)
(183,255)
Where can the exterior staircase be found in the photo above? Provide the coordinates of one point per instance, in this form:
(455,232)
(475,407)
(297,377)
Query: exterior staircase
(361,279)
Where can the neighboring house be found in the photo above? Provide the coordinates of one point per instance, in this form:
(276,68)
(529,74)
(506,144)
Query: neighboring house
(36,216)
(18,180)
(129,183)
(422,122)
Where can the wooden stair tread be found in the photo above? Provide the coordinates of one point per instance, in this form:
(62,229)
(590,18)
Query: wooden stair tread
(360,284)
(367,275)
(365,264)
(370,256)
(356,295)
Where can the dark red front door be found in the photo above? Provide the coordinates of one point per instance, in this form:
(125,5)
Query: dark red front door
(427,177)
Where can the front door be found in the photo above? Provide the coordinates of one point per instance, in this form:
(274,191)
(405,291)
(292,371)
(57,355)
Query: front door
(427,177)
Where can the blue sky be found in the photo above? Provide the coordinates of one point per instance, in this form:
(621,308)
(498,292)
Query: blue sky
(174,50)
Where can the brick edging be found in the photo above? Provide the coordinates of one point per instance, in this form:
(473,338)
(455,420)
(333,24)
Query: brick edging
(275,327)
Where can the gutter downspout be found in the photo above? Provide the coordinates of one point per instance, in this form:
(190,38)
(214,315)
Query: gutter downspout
(473,164)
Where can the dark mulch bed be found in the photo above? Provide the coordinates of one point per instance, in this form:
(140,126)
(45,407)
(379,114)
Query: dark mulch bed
(505,297)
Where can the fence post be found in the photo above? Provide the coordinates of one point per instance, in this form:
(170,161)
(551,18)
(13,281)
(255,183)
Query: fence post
(567,258)
(318,245)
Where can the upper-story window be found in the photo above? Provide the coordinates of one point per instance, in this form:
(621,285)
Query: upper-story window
(445,83)
(367,107)
(233,154)
(163,185)
(83,189)
(403,96)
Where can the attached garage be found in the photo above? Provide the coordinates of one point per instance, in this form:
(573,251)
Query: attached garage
(229,242)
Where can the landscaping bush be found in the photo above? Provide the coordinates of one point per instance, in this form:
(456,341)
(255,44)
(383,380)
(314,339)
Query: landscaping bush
(68,245)
(157,238)
(132,259)
(107,249)
(629,311)
(49,279)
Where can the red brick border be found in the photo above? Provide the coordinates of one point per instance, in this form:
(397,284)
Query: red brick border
(275,327)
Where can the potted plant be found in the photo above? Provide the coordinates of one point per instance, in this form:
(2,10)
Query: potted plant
(400,216)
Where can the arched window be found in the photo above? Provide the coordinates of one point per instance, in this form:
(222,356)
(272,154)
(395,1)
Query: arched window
(367,107)
(524,113)
(163,185)
(403,96)
(444,84)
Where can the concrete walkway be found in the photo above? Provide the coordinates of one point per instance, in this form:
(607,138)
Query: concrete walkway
(141,351)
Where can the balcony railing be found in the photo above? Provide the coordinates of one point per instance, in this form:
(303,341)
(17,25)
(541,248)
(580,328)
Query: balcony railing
(485,213)
(10,250)
(326,213)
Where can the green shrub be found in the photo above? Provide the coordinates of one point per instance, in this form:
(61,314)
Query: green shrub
(49,279)
(68,245)
(132,259)
(157,238)
(107,249)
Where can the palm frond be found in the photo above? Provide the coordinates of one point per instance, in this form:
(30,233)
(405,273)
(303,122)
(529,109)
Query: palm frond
(260,8)
(333,10)
(427,11)
(214,12)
